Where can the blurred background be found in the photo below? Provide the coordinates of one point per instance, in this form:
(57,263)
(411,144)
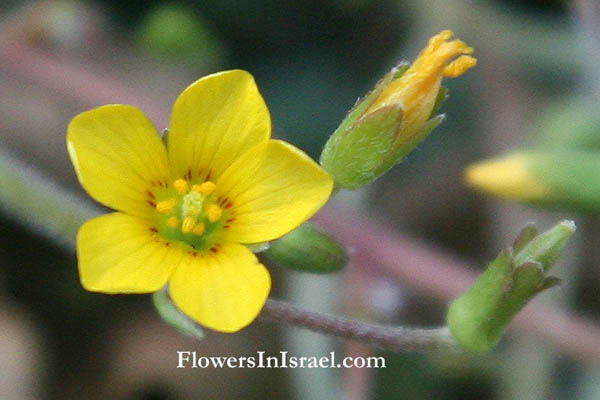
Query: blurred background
(312,60)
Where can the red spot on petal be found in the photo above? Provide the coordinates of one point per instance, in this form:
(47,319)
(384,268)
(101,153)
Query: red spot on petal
(214,250)
(153,230)
(229,204)
(150,194)
(152,204)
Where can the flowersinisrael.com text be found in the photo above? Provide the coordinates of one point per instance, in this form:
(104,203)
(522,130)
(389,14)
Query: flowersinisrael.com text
(189,359)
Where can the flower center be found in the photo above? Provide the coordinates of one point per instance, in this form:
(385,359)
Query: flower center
(191,214)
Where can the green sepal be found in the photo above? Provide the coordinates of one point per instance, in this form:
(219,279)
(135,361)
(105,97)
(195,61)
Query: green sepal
(308,249)
(165,137)
(355,157)
(363,104)
(546,247)
(479,317)
(525,236)
(403,146)
(472,318)
(442,96)
(172,316)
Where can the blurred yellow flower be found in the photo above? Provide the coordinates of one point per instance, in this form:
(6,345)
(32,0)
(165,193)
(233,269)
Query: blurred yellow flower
(184,211)
(510,178)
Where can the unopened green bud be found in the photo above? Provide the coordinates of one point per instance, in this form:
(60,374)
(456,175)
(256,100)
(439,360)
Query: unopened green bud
(396,116)
(308,249)
(479,317)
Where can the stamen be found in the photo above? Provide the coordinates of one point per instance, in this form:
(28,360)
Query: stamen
(166,206)
(213,212)
(188,224)
(181,186)
(459,66)
(173,222)
(204,188)
(198,229)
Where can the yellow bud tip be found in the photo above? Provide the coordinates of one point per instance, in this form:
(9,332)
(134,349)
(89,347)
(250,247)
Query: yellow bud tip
(508,178)
(459,66)
(416,90)
(173,222)
(204,188)
(213,212)
(181,186)
(198,229)
(166,206)
(188,224)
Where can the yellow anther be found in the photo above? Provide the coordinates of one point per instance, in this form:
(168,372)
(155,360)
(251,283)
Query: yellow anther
(198,229)
(181,186)
(204,188)
(166,206)
(213,212)
(173,222)
(188,224)
(459,66)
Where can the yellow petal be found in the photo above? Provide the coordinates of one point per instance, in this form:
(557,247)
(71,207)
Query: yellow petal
(214,121)
(223,291)
(118,253)
(117,155)
(273,188)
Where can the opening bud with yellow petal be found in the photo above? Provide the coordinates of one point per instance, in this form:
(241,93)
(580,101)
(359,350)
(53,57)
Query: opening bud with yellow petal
(308,249)
(558,179)
(396,116)
(479,317)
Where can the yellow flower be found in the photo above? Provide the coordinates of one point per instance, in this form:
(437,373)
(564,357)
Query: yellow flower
(184,211)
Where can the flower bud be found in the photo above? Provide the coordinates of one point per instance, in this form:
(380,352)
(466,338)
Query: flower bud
(396,116)
(560,179)
(308,249)
(479,317)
